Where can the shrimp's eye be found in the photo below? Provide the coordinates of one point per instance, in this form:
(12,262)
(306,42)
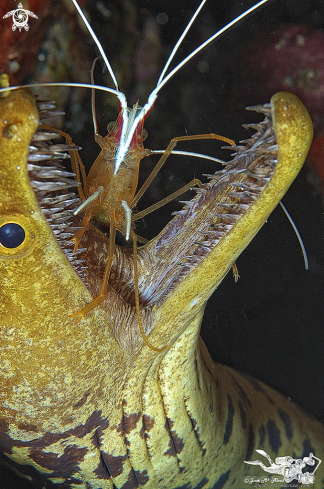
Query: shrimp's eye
(110,126)
(144,134)
(12,235)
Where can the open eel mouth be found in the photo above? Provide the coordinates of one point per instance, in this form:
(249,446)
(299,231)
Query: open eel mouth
(219,208)
(178,270)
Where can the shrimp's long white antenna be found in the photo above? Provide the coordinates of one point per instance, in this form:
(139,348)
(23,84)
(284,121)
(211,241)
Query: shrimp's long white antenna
(297,234)
(133,118)
(181,38)
(121,97)
(161,83)
(96,40)
(123,147)
(66,84)
(189,153)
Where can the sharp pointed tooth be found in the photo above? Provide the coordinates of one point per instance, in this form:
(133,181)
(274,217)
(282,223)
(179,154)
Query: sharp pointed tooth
(44,136)
(264,109)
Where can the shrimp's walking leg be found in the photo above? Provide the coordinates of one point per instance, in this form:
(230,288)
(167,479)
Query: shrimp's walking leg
(137,305)
(84,224)
(79,170)
(164,201)
(165,155)
(235,272)
(88,204)
(76,162)
(157,205)
(104,285)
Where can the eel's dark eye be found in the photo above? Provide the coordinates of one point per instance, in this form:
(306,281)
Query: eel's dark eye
(18,236)
(12,235)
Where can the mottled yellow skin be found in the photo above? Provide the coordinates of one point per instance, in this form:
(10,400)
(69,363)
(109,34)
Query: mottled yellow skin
(90,406)
(39,279)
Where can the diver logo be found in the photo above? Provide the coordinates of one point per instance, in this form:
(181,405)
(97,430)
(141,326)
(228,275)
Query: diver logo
(20,17)
(288,468)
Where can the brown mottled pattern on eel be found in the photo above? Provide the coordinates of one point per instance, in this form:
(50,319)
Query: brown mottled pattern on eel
(89,406)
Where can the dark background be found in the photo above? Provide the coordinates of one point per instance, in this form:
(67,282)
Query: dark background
(270,323)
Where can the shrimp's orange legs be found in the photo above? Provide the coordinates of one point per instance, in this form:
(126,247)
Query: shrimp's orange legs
(85,194)
(164,157)
(76,162)
(104,285)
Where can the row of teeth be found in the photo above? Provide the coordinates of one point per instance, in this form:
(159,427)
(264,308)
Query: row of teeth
(48,176)
(226,214)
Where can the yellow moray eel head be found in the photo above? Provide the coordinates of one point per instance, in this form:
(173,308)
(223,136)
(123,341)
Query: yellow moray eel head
(90,406)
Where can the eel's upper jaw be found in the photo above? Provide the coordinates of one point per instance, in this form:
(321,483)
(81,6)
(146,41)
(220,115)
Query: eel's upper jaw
(198,247)
(209,218)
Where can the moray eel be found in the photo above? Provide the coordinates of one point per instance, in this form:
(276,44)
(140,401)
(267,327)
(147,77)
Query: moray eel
(90,406)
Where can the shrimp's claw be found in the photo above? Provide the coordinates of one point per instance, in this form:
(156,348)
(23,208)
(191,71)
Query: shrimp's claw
(87,308)
(80,233)
(77,238)
(235,272)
